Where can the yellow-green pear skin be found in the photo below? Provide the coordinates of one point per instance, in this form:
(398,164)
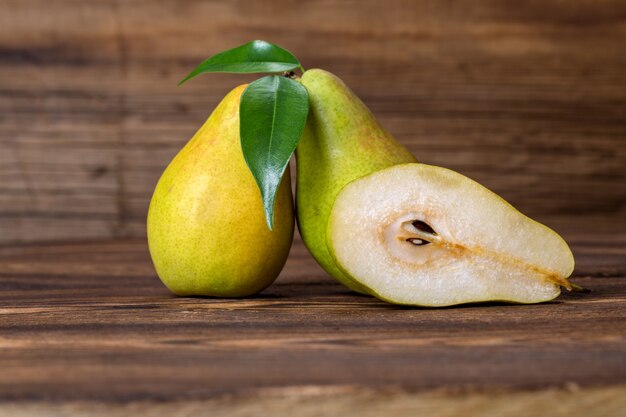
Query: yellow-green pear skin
(207,232)
(342,141)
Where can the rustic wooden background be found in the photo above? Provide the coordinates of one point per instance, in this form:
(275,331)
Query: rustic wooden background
(528,98)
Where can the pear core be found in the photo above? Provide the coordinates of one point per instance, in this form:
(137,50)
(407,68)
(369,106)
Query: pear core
(422,235)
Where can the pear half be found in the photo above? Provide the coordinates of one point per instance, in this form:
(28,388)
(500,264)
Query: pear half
(422,235)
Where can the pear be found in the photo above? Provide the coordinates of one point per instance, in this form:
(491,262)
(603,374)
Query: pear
(422,235)
(342,141)
(207,232)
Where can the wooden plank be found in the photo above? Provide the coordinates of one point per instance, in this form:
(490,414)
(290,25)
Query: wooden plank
(528,99)
(349,401)
(90,322)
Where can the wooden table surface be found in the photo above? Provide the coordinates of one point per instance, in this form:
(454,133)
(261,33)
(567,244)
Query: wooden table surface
(90,323)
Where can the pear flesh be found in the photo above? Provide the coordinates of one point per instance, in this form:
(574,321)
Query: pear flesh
(422,235)
(207,232)
(342,141)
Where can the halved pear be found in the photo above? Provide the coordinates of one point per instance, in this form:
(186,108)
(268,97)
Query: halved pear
(422,235)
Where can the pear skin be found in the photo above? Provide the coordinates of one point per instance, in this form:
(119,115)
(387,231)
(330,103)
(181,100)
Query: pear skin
(207,232)
(342,141)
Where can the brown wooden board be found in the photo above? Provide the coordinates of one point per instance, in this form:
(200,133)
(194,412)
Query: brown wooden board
(528,98)
(90,321)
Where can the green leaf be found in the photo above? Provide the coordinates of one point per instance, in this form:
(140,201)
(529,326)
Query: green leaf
(272,114)
(255,56)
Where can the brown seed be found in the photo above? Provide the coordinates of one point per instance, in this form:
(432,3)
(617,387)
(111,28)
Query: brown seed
(417,241)
(423,227)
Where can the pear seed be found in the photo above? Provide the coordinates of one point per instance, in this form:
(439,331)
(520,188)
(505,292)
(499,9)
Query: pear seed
(423,227)
(417,241)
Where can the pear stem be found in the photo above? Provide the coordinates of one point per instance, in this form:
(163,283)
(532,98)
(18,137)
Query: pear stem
(578,288)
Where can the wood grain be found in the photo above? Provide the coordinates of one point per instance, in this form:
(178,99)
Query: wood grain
(351,401)
(90,322)
(529,99)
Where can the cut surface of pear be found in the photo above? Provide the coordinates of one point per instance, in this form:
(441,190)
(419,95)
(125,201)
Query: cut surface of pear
(207,232)
(342,141)
(422,235)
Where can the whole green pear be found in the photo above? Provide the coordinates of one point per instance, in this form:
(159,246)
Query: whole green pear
(342,142)
(207,232)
